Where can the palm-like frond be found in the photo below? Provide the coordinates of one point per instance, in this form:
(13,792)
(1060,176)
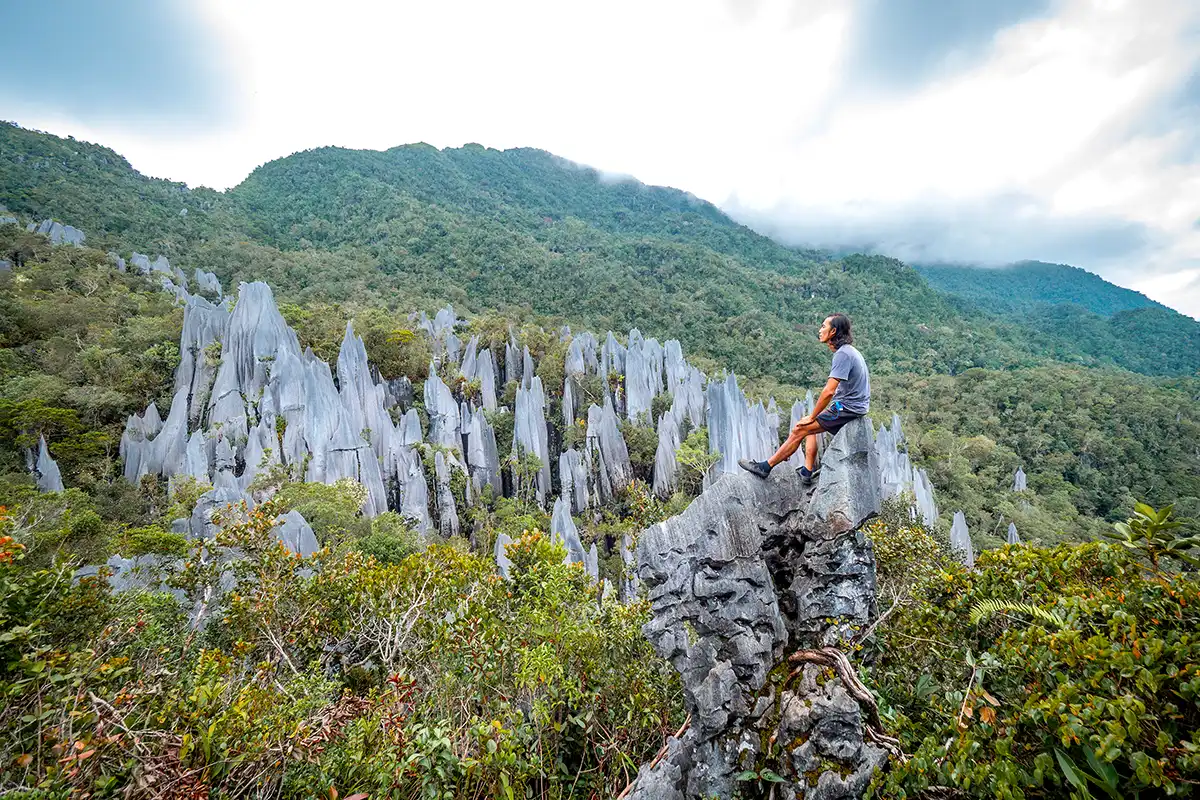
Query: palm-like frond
(991,606)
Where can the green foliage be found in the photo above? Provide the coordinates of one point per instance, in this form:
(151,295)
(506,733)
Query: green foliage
(1077,316)
(642,443)
(428,677)
(390,541)
(333,510)
(1101,689)
(991,606)
(1153,535)
(1090,442)
(694,461)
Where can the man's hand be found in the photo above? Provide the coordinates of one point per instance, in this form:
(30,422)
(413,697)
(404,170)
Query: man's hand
(799,426)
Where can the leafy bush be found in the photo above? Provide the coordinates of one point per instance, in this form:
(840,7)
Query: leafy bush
(1044,672)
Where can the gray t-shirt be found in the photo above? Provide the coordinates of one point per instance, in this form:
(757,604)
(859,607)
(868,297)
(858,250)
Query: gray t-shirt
(854,381)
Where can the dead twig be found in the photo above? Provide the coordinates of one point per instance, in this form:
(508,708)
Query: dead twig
(659,756)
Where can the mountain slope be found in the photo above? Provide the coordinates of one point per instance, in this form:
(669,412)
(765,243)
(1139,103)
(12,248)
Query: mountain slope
(1017,286)
(1073,311)
(490,230)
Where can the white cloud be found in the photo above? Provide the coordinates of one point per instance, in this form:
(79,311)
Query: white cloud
(1035,150)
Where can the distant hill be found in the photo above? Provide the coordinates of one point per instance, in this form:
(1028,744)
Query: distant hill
(1018,285)
(1070,309)
(492,231)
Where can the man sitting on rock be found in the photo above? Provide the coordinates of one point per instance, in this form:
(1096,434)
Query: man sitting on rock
(846,397)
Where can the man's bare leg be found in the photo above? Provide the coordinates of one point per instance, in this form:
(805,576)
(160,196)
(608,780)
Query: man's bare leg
(792,444)
(810,451)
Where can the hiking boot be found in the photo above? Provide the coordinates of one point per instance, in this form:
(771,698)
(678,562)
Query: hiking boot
(760,468)
(807,477)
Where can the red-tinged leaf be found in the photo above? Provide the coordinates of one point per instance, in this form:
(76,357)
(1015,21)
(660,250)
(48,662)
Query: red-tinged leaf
(88,754)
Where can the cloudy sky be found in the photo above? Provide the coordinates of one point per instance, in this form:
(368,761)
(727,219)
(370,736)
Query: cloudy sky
(932,130)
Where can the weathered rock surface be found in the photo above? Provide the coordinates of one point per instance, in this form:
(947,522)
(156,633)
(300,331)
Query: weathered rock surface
(58,233)
(1013,536)
(750,572)
(607,455)
(45,470)
(960,539)
(1020,483)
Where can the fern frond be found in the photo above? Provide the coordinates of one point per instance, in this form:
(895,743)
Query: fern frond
(991,606)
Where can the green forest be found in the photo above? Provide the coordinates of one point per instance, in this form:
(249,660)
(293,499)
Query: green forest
(1063,668)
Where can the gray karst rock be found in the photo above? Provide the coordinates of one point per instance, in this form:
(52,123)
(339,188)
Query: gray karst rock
(564,532)
(117,261)
(629,578)
(296,534)
(1020,483)
(612,357)
(736,429)
(591,563)
(897,475)
(261,451)
(485,373)
(530,434)
(960,539)
(752,571)
(204,327)
(409,429)
(607,459)
(196,462)
(7,219)
(528,372)
(364,401)
(608,592)
(414,493)
(5,265)
(690,396)
(643,376)
(573,479)
(448,525)
(483,455)
(180,278)
(1013,537)
(922,491)
(670,430)
(45,470)
(470,355)
(512,359)
(206,282)
(59,233)
(399,393)
(674,367)
(443,411)
(503,563)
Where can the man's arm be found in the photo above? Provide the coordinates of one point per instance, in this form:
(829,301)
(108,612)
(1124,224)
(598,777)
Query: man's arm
(822,401)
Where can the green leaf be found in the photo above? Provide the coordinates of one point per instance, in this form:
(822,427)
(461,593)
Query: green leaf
(1071,772)
(772,777)
(748,775)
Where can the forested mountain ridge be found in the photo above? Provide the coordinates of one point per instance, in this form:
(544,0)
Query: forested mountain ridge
(1066,305)
(1025,283)
(416,227)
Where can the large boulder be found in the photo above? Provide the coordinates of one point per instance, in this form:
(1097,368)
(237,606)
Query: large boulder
(751,572)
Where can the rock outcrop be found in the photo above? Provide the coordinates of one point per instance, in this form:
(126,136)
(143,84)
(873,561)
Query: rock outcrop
(752,571)
(58,233)
(960,539)
(45,469)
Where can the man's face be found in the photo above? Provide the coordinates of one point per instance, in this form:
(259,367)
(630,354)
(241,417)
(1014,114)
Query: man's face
(826,332)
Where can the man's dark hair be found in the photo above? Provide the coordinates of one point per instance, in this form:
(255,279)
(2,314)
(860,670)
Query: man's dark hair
(841,330)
